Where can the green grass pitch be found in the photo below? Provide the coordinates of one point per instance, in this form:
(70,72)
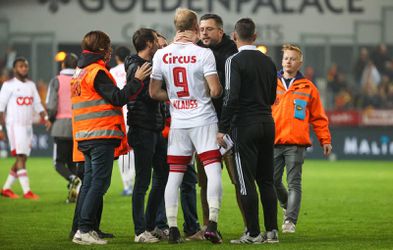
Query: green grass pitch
(346,205)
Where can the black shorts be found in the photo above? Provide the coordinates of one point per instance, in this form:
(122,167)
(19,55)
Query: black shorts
(63,150)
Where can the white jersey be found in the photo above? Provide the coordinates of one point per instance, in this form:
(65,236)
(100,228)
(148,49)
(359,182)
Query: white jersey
(20,99)
(119,73)
(183,67)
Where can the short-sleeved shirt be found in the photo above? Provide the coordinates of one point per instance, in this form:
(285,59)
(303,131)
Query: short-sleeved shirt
(184,66)
(20,99)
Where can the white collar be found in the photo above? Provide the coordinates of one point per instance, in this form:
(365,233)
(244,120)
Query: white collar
(247,47)
(67,71)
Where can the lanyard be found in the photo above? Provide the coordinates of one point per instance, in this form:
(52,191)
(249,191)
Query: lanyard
(285,83)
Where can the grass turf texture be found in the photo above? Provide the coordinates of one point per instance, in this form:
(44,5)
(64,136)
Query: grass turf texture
(346,205)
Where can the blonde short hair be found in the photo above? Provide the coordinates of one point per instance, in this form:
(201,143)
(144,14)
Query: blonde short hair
(185,19)
(293,47)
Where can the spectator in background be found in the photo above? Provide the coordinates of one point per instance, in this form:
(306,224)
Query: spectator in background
(309,74)
(58,103)
(335,79)
(10,57)
(389,69)
(125,162)
(380,57)
(360,64)
(370,78)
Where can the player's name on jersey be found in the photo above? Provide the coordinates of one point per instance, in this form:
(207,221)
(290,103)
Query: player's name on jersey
(185,104)
(168,58)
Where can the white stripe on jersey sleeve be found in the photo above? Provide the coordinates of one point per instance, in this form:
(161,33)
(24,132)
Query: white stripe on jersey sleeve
(228,78)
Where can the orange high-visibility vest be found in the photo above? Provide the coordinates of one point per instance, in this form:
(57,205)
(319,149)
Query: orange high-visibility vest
(92,116)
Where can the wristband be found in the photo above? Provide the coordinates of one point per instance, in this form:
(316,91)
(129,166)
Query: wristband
(1,127)
(46,117)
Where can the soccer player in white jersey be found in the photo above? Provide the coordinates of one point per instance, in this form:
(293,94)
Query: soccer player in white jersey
(191,78)
(19,99)
(125,162)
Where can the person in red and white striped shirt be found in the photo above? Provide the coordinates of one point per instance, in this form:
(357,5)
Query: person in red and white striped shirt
(19,100)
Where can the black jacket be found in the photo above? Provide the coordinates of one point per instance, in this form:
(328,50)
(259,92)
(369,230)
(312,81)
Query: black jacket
(252,89)
(221,52)
(143,112)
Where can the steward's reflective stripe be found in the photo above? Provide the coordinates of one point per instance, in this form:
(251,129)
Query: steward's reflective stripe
(301,93)
(87,104)
(280,92)
(98,114)
(89,134)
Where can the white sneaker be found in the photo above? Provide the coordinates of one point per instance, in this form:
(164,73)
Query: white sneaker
(288,227)
(247,239)
(146,237)
(88,238)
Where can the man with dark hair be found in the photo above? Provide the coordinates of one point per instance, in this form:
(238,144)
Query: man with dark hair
(98,127)
(58,103)
(19,99)
(146,121)
(250,91)
(125,162)
(212,36)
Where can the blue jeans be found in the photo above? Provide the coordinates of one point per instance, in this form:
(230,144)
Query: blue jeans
(96,181)
(188,203)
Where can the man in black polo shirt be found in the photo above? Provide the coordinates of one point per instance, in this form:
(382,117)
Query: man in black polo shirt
(251,83)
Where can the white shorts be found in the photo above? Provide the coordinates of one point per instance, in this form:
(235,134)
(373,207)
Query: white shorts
(184,141)
(20,138)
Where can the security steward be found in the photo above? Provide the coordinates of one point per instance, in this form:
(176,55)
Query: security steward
(98,126)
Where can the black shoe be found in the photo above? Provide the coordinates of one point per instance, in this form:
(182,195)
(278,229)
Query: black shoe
(103,235)
(212,233)
(174,236)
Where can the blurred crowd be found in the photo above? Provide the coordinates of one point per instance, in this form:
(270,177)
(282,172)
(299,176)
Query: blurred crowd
(371,84)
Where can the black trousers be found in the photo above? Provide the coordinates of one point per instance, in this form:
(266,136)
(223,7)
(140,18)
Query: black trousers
(150,152)
(253,146)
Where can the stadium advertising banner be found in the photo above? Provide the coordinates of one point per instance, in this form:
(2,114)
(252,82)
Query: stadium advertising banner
(277,21)
(357,143)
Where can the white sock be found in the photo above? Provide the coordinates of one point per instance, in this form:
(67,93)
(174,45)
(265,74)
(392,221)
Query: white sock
(172,196)
(10,180)
(24,180)
(214,189)
(125,165)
